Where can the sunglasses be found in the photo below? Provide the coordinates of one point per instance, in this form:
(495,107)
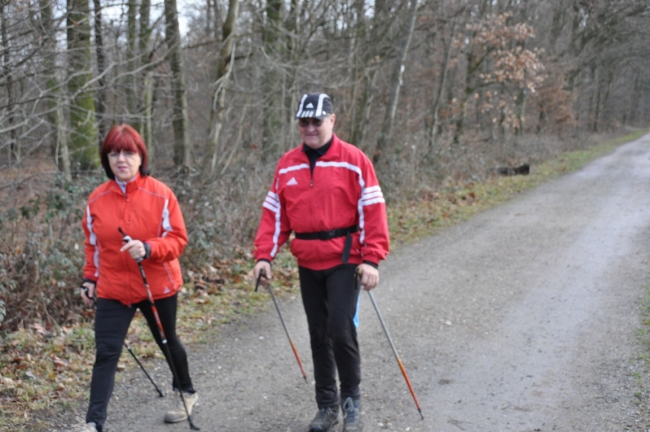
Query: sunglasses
(305,122)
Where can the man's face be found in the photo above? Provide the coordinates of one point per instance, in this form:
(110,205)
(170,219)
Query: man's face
(316,133)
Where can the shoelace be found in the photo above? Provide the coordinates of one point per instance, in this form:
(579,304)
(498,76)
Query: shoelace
(323,413)
(350,409)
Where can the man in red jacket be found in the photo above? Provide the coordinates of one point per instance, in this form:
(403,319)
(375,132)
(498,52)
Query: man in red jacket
(326,192)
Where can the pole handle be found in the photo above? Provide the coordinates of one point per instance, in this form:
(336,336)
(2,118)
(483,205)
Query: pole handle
(259,278)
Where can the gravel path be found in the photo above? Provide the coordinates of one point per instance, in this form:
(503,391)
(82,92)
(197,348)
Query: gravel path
(522,319)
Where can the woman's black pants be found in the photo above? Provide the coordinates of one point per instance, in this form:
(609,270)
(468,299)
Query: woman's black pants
(331,300)
(112,321)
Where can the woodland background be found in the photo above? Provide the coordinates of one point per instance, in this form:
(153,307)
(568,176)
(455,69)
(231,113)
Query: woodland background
(437,92)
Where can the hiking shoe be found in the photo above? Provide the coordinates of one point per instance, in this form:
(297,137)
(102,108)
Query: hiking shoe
(325,419)
(89,427)
(178,414)
(352,415)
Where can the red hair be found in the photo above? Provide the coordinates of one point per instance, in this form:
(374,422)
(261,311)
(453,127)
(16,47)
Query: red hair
(123,137)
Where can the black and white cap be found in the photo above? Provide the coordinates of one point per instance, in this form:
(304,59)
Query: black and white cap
(314,105)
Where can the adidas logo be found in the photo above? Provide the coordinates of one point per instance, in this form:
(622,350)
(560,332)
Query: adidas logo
(310,105)
(167,290)
(292,182)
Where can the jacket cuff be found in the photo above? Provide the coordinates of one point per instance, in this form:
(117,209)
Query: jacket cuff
(372,264)
(147,250)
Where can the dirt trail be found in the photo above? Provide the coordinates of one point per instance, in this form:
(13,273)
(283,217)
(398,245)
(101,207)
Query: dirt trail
(522,319)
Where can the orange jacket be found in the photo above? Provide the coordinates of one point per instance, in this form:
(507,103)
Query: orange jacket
(148,211)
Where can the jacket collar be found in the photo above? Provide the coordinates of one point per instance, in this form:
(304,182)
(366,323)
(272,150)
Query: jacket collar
(130,186)
(334,149)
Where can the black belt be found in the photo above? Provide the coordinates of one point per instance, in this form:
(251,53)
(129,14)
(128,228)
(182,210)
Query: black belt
(330,234)
(327,235)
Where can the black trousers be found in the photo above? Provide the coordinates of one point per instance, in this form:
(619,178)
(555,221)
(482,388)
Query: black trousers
(331,300)
(112,321)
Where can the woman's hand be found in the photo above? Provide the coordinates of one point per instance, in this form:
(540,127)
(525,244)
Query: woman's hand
(136,249)
(88,293)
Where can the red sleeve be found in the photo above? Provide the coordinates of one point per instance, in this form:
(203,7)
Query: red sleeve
(375,240)
(172,242)
(274,228)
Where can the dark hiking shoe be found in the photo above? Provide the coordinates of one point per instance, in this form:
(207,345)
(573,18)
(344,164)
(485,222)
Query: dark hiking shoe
(325,419)
(352,415)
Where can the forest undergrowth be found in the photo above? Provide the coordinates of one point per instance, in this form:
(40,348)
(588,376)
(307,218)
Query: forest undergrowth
(46,337)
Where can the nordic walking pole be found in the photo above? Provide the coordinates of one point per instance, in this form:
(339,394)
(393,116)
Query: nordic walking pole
(392,345)
(126,345)
(126,239)
(293,347)
(128,348)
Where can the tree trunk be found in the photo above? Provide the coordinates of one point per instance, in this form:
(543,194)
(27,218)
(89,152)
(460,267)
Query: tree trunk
(357,69)
(179,121)
(145,52)
(373,53)
(398,70)
(62,141)
(147,123)
(433,133)
(100,95)
(272,107)
(14,147)
(223,73)
(130,85)
(55,98)
(82,106)
(595,105)
(521,111)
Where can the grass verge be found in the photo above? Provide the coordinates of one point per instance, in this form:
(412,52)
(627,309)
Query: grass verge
(640,374)
(49,371)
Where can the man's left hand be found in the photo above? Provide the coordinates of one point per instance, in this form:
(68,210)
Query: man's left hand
(368,276)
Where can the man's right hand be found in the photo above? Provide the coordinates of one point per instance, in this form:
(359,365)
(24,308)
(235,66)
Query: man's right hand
(88,293)
(263,266)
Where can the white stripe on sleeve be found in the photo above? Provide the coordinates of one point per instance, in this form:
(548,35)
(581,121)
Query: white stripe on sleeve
(166,223)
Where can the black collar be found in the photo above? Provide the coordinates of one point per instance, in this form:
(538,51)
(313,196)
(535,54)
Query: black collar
(320,151)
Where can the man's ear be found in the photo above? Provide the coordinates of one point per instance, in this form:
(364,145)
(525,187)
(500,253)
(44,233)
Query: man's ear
(333,117)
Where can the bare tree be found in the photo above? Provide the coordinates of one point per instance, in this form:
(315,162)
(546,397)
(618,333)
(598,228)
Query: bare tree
(55,98)
(14,146)
(180,121)
(100,94)
(435,109)
(223,71)
(398,70)
(83,126)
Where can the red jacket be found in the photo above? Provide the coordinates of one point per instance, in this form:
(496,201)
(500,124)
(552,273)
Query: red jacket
(148,211)
(341,192)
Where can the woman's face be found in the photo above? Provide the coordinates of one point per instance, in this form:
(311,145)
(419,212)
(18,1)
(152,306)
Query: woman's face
(124,164)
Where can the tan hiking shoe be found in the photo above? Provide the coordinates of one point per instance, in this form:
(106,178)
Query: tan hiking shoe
(178,414)
(89,427)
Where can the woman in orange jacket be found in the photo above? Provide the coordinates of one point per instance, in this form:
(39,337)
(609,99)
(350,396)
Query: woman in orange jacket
(147,210)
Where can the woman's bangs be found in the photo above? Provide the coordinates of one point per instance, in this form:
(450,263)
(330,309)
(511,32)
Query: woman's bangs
(126,144)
